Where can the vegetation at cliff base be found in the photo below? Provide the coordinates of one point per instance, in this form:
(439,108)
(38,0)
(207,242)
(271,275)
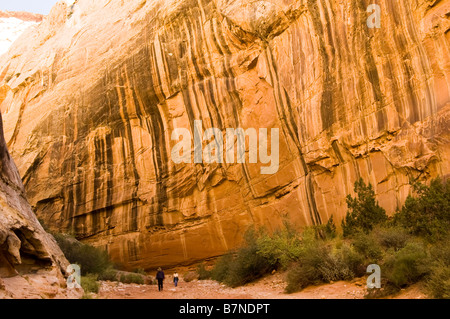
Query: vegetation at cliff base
(363,211)
(428,214)
(90,284)
(410,247)
(95,264)
(91,260)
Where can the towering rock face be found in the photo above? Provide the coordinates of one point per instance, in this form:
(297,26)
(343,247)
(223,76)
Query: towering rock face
(92,96)
(25,248)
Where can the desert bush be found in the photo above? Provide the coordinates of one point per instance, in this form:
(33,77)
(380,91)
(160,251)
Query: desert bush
(109,274)
(427,214)
(326,231)
(222,267)
(244,266)
(363,211)
(279,249)
(203,273)
(92,260)
(140,271)
(309,270)
(335,268)
(298,278)
(438,282)
(367,246)
(392,237)
(131,278)
(330,228)
(353,260)
(408,265)
(321,263)
(90,284)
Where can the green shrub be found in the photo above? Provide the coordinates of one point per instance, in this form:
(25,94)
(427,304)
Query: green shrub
(438,283)
(326,231)
(408,265)
(367,246)
(428,214)
(330,228)
(92,260)
(90,284)
(353,260)
(140,271)
(203,273)
(298,279)
(309,270)
(280,249)
(363,211)
(246,266)
(392,237)
(322,263)
(109,274)
(222,267)
(132,278)
(440,251)
(335,268)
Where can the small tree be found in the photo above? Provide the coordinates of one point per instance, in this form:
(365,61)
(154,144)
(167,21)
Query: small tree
(363,210)
(330,228)
(427,214)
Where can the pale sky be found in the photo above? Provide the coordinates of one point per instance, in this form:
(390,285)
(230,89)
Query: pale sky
(34,6)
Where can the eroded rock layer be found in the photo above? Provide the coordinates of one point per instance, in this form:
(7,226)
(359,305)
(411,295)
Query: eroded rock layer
(91,98)
(26,250)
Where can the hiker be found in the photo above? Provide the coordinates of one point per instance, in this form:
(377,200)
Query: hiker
(175,279)
(160,277)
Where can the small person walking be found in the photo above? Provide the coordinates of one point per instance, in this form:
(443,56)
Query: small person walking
(175,279)
(160,277)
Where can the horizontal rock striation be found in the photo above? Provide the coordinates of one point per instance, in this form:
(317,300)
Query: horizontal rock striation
(91,98)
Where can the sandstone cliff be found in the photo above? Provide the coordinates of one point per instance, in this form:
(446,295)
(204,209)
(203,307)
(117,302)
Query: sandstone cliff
(12,25)
(91,97)
(31,263)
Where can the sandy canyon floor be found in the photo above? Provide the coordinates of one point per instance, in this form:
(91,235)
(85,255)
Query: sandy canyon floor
(271,287)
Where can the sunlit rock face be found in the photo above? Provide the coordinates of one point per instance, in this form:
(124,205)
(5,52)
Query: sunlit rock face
(13,24)
(91,97)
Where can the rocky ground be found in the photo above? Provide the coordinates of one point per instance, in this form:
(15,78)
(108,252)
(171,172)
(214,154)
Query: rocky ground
(42,285)
(271,287)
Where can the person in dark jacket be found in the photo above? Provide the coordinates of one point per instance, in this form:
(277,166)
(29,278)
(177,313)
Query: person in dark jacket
(175,279)
(160,277)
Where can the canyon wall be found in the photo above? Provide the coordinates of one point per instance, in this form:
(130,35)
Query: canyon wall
(31,263)
(91,97)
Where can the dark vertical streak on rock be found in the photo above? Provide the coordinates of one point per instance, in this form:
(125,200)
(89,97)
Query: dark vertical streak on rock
(292,131)
(154,121)
(326,108)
